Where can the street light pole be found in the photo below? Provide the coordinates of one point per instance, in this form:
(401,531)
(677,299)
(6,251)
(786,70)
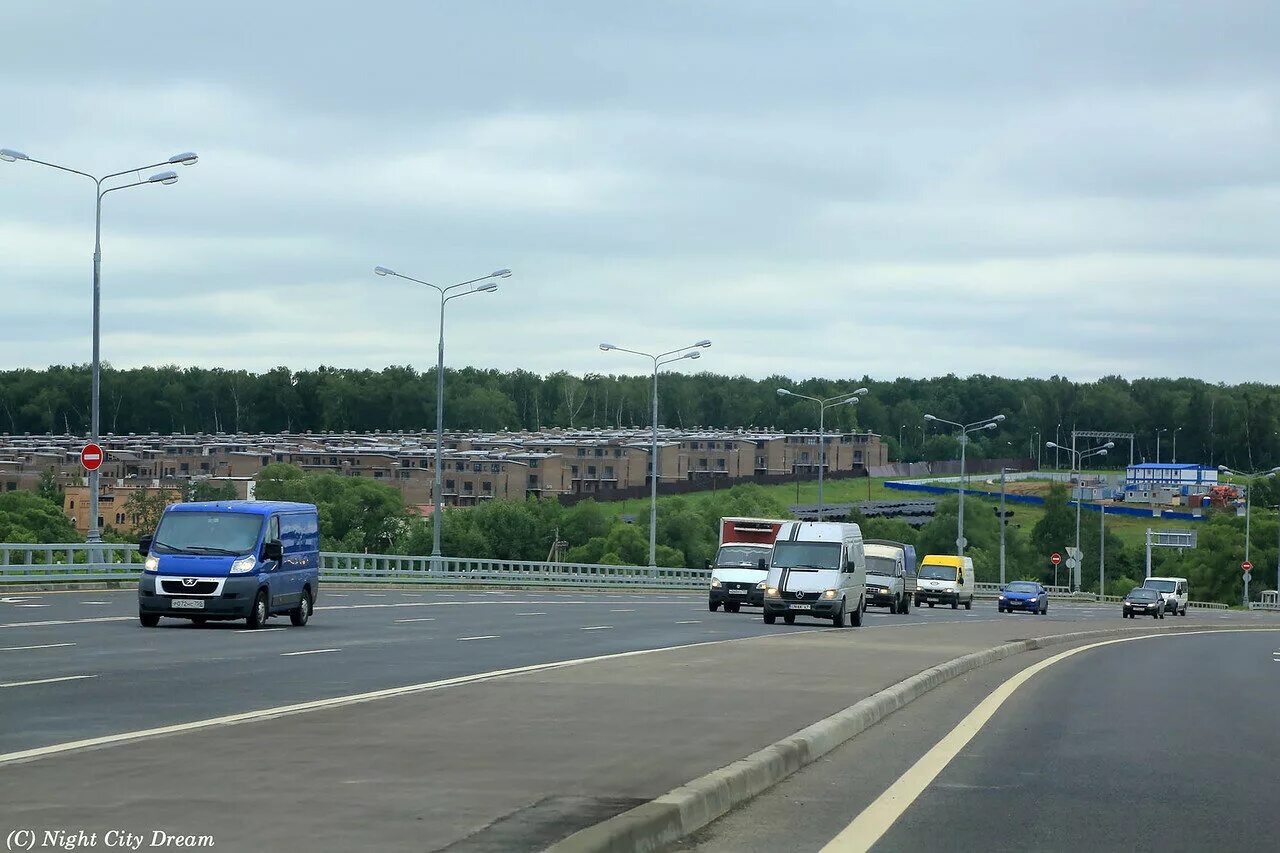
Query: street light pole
(685,352)
(1002,481)
(823,405)
(486,285)
(1077,461)
(188,158)
(992,422)
(1175,444)
(1159,432)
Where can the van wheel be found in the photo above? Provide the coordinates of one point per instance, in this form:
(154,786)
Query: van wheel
(968,605)
(299,615)
(198,620)
(954,605)
(769,618)
(838,620)
(930,605)
(789,618)
(905,607)
(732,608)
(258,615)
(149,620)
(856,619)
(713,606)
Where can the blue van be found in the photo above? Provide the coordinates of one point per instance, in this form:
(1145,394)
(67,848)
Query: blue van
(231,560)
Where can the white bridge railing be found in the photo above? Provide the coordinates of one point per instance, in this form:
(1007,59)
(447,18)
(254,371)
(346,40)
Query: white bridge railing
(115,562)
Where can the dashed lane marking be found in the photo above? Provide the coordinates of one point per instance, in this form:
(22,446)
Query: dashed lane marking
(32,648)
(46,681)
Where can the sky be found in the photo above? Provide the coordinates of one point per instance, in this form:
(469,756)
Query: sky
(833,189)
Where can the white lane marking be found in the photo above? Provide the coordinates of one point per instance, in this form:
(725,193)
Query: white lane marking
(46,680)
(690,622)
(50,622)
(419,619)
(340,701)
(31,605)
(528,614)
(375,595)
(622,611)
(481,637)
(255,630)
(596,627)
(13,600)
(29,648)
(876,819)
(335,595)
(308,652)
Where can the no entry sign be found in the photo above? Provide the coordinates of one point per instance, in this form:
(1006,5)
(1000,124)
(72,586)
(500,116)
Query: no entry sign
(1055,559)
(1247,566)
(91,457)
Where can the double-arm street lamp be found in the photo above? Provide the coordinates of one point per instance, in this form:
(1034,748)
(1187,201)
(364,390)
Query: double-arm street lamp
(1077,458)
(168,177)
(1250,476)
(992,422)
(847,399)
(483,284)
(659,359)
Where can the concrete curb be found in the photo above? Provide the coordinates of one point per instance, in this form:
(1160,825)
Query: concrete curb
(684,810)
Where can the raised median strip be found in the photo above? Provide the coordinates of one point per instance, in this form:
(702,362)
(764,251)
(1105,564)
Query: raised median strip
(686,809)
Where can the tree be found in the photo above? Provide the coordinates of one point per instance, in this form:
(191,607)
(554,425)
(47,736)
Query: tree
(28,518)
(203,490)
(48,488)
(144,508)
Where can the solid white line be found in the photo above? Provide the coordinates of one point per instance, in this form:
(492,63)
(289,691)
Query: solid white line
(338,702)
(596,627)
(419,619)
(690,622)
(375,595)
(876,819)
(255,630)
(528,614)
(482,637)
(46,681)
(31,605)
(622,611)
(27,648)
(95,602)
(309,652)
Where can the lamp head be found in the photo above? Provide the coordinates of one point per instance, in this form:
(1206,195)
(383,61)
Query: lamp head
(503,273)
(861,392)
(1109,445)
(1224,469)
(991,426)
(704,343)
(998,418)
(930,418)
(383,271)
(692,355)
(186,158)
(783,392)
(1102,452)
(9,155)
(490,287)
(1050,444)
(851,401)
(607,347)
(163,178)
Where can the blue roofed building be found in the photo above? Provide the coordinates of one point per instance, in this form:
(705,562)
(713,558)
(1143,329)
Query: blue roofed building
(1167,482)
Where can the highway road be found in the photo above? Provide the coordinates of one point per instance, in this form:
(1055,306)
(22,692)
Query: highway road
(1165,743)
(659,692)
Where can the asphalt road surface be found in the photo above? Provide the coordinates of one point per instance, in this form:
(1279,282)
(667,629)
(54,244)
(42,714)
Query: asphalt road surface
(491,763)
(1166,743)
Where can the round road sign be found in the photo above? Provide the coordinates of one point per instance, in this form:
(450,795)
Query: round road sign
(1055,559)
(1246,565)
(91,457)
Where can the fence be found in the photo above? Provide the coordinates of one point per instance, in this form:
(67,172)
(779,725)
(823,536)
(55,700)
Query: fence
(1037,500)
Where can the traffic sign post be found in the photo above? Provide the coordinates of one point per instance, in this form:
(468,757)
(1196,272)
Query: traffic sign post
(91,457)
(1055,558)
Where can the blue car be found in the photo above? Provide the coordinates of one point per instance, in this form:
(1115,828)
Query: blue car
(231,560)
(1024,595)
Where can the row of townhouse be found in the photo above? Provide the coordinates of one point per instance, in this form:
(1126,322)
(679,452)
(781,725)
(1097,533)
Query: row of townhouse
(475,466)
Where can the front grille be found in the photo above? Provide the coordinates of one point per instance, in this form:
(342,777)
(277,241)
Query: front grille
(788,595)
(198,588)
(736,585)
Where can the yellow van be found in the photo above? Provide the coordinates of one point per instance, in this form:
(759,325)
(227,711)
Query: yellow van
(944,579)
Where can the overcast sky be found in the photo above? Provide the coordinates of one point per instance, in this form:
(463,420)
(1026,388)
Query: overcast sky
(896,189)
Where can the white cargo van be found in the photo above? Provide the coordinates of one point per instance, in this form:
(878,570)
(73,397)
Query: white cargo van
(1173,591)
(818,569)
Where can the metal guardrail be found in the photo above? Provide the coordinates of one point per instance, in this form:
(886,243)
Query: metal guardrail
(69,563)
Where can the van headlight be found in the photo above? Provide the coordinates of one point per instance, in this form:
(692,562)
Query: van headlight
(715,583)
(831,593)
(244,564)
(761,585)
(771,592)
(151,564)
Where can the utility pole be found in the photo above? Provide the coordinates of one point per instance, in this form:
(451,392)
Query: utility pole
(1102,550)
(1002,481)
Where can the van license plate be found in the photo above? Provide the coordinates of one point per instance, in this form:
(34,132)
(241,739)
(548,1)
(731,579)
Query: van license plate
(737,592)
(801,606)
(187,604)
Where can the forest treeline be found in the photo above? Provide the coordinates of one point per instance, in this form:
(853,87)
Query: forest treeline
(1236,425)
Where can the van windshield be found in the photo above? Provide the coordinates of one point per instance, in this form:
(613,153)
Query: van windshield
(886,566)
(742,556)
(1163,586)
(228,533)
(937,573)
(806,555)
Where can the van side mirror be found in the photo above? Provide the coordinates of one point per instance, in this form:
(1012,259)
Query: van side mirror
(708,564)
(764,564)
(273,550)
(144,545)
